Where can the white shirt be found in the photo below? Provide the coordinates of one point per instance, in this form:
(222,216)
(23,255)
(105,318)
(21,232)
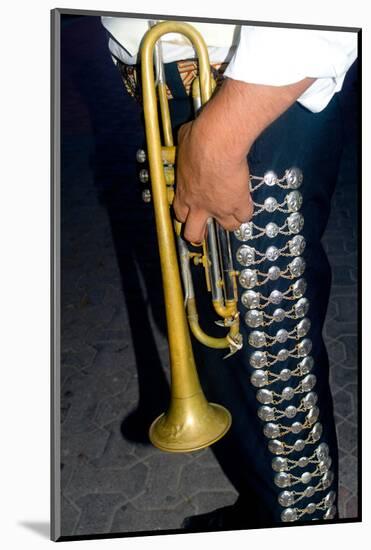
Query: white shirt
(278,56)
(258,55)
(126,35)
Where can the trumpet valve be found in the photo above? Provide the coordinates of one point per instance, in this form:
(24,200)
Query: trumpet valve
(197,258)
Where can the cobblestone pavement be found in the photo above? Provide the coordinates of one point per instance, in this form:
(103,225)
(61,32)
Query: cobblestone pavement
(114,355)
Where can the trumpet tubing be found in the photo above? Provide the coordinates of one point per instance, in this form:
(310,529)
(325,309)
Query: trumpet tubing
(191,422)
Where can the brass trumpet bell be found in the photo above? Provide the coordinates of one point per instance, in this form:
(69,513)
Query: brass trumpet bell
(190,424)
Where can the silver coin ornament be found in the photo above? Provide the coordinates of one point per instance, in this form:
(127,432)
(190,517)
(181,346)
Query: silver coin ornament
(257,339)
(303,461)
(271,230)
(304,347)
(294,201)
(289,514)
(272,253)
(330,499)
(264,396)
(270,204)
(282,336)
(279,464)
(288,393)
(274,273)
(275,297)
(311,508)
(282,479)
(266,413)
(279,314)
(286,498)
(306,364)
(295,222)
(245,255)
(290,411)
(309,491)
(316,431)
(250,299)
(308,382)
(143,175)
(271,430)
(276,446)
(306,477)
(270,178)
(141,156)
(285,375)
(297,245)
(303,327)
(327,479)
(294,177)
(258,359)
(299,288)
(301,307)
(259,378)
(146,195)
(313,415)
(299,444)
(254,318)
(248,278)
(282,355)
(244,232)
(322,451)
(296,427)
(297,266)
(330,513)
(324,465)
(309,400)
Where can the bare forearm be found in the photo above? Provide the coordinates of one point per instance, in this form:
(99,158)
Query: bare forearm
(212,170)
(241,111)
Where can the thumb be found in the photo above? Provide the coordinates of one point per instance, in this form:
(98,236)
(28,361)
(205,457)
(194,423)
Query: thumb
(180,209)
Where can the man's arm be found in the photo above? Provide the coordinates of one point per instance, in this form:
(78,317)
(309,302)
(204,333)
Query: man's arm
(212,170)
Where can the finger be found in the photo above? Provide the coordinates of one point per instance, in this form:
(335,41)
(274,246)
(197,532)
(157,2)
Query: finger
(230,223)
(181,210)
(244,211)
(195,226)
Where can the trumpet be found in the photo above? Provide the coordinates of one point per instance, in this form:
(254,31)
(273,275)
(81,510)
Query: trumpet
(190,423)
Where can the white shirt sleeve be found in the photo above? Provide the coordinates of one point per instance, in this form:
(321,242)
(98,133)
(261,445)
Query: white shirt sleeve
(280,56)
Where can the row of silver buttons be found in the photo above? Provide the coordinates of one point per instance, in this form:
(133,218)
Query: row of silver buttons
(262,360)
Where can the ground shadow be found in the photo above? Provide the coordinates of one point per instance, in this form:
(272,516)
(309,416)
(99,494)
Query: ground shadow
(42,528)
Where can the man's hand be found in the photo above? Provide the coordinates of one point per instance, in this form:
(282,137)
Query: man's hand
(210,183)
(212,175)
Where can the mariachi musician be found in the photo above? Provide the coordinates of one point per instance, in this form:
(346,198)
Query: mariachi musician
(262,159)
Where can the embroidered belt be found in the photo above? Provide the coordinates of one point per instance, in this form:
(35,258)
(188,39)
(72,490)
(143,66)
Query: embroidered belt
(187,71)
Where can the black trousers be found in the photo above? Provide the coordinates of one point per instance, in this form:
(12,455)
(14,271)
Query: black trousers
(272,478)
(281,451)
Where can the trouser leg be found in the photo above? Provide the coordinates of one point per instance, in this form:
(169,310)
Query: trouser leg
(281,452)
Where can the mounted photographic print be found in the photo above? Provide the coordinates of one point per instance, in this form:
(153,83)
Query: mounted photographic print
(206,184)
